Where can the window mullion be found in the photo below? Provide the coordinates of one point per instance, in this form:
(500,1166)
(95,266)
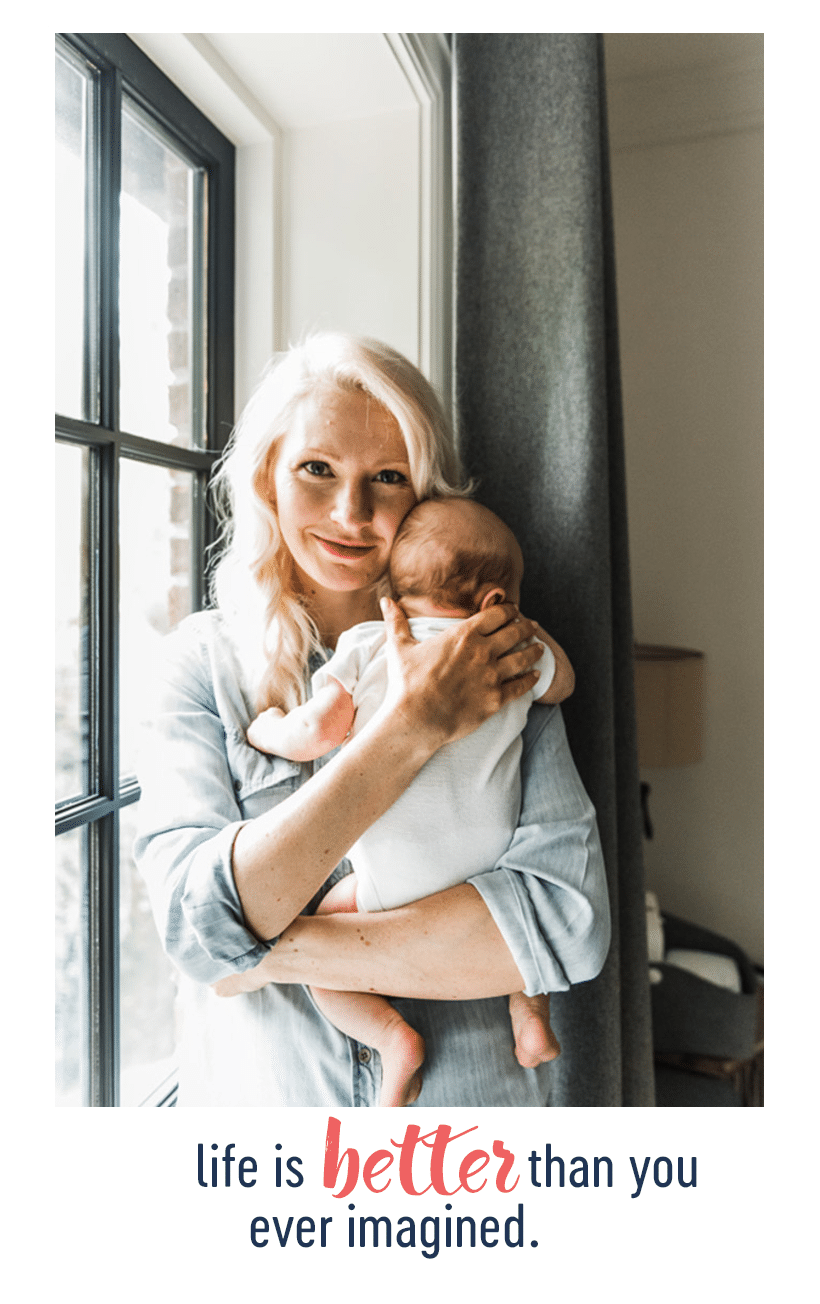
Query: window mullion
(220,238)
(101,958)
(91,315)
(106,1032)
(108,617)
(103,886)
(198,308)
(104,868)
(109,171)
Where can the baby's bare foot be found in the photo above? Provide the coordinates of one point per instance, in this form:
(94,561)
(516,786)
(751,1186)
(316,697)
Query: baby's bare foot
(535,1042)
(402,1055)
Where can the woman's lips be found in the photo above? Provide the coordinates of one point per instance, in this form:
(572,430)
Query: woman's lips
(337,548)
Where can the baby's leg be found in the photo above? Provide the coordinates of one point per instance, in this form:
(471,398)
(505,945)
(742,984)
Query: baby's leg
(372,1020)
(535,1041)
(341,899)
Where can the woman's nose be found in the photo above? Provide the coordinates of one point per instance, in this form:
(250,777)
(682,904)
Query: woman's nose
(352,506)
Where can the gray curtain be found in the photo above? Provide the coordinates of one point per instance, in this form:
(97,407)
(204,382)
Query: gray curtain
(538,398)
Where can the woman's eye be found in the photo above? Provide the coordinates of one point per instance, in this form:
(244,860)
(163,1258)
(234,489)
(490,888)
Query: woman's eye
(316,468)
(391,477)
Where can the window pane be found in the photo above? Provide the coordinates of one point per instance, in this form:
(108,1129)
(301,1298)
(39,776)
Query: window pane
(70,910)
(71,661)
(155,578)
(72,116)
(161,316)
(148,987)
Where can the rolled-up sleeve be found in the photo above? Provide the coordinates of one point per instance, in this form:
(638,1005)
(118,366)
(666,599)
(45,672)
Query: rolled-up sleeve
(548,892)
(188,819)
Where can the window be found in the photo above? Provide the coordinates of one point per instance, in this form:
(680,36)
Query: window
(144,396)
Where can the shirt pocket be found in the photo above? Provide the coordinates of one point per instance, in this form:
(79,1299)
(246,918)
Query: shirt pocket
(259,780)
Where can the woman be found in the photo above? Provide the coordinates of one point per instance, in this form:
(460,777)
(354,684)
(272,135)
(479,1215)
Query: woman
(337,444)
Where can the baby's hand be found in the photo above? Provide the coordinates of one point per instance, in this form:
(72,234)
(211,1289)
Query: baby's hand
(563,681)
(259,736)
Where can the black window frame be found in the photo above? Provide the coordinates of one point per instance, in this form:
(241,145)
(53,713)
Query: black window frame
(120,66)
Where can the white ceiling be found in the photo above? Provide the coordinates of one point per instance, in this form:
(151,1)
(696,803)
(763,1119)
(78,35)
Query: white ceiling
(305,79)
(294,79)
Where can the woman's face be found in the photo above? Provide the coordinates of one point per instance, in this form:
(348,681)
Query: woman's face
(341,489)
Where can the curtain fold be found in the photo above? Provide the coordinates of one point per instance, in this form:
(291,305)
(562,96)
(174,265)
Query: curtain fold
(538,402)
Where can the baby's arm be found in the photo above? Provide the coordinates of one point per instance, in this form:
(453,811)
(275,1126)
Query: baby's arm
(309,730)
(562,684)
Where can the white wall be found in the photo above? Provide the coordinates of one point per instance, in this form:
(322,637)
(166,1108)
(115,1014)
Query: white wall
(352,229)
(687,185)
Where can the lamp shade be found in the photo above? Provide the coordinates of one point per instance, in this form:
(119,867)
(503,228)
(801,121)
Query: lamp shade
(669,704)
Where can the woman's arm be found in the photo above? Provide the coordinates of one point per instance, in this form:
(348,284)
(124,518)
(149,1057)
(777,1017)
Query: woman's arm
(539,921)
(211,904)
(548,892)
(444,947)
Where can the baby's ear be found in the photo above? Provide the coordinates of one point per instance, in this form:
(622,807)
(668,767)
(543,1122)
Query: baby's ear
(492,599)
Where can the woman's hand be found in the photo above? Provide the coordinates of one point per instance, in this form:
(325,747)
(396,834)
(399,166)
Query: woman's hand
(445,687)
(236,984)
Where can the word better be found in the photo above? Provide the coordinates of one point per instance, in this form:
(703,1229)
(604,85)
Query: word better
(434,1146)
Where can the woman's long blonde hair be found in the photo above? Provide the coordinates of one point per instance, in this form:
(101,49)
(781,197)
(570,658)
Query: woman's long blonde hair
(253,583)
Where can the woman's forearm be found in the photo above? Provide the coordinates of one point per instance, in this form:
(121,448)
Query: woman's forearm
(282,858)
(443,947)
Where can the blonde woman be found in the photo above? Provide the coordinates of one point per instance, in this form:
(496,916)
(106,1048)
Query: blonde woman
(340,440)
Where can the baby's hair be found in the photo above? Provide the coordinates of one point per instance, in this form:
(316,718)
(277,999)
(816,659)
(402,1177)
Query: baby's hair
(425,561)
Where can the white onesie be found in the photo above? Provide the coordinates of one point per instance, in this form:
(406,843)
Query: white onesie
(460,812)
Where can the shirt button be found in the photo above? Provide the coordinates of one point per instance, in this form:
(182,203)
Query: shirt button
(364,1055)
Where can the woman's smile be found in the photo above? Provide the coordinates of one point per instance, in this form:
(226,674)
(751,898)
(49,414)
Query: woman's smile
(338,548)
(341,488)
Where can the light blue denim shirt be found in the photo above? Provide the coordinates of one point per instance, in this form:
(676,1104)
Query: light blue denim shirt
(201,780)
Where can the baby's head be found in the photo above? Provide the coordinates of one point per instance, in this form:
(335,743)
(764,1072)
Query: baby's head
(454,557)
